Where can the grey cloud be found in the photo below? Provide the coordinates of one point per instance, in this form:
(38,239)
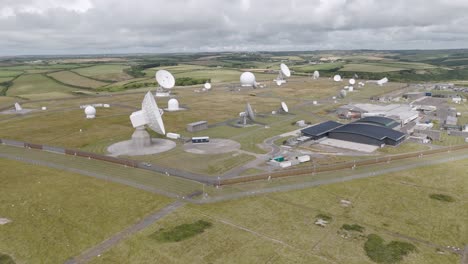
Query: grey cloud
(96,26)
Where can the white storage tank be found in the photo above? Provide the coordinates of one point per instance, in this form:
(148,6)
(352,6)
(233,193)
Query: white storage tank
(173,105)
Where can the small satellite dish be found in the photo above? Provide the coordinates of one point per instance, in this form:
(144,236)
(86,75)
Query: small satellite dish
(207,86)
(44,108)
(383,81)
(18,107)
(337,78)
(284,107)
(150,115)
(352,81)
(249,111)
(165,79)
(285,70)
(279,82)
(316,75)
(247,79)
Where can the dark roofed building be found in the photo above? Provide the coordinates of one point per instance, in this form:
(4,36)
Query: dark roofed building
(368,134)
(321,130)
(380,121)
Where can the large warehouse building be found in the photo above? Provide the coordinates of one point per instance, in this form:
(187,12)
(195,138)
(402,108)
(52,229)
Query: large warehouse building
(375,131)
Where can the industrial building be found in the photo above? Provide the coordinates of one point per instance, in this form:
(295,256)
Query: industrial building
(375,131)
(401,112)
(197,126)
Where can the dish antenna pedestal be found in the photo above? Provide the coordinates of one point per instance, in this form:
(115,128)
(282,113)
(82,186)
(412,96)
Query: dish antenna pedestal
(247,117)
(141,142)
(284,72)
(166,82)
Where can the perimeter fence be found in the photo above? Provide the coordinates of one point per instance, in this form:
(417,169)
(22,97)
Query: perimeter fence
(220,180)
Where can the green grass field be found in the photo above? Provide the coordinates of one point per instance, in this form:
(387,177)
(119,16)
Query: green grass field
(74,79)
(318,67)
(9,73)
(106,72)
(50,227)
(279,227)
(370,68)
(32,84)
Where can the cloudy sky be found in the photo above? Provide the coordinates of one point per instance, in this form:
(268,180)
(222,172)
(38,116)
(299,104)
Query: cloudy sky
(124,26)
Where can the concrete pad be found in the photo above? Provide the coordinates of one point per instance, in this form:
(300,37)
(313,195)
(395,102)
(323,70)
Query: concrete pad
(349,145)
(215,146)
(127,148)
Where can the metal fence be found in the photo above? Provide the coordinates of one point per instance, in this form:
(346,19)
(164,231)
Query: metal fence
(219,180)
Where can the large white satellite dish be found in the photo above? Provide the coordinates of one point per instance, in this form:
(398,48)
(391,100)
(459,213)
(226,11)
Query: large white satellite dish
(284,107)
(149,115)
(285,70)
(165,79)
(249,111)
(352,81)
(207,86)
(337,78)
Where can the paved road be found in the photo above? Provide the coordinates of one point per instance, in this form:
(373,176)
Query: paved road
(105,245)
(305,185)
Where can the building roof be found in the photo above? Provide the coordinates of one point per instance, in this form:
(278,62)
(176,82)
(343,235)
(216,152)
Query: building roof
(371,131)
(379,120)
(320,129)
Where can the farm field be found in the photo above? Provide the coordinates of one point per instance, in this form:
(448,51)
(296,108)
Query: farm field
(32,84)
(107,72)
(318,67)
(280,226)
(74,79)
(9,73)
(48,227)
(370,68)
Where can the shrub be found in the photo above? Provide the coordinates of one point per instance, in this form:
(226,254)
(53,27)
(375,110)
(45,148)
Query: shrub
(181,232)
(353,227)
(5,259)
(442,197)
(393,252)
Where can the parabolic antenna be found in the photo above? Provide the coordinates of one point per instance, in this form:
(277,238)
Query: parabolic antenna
(284,107)
(149,115)
(249,111)
(285,70)
(352,81)
(383,81)
(316,75)
(18,107)
(207,86)
(165,79)
(337,78)
(247,79)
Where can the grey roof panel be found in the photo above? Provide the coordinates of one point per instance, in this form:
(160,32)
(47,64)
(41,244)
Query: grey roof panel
(321,129)
(372,131)
(379,120)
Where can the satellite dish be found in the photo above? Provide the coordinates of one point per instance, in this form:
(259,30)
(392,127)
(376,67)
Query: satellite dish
(352,81)
(284,107)
(383,81)
(207,86)
(249,111)
(285,70)
(316,75)
(18,107)
(150,115)
(337,78)
(165,79)
(247,79)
